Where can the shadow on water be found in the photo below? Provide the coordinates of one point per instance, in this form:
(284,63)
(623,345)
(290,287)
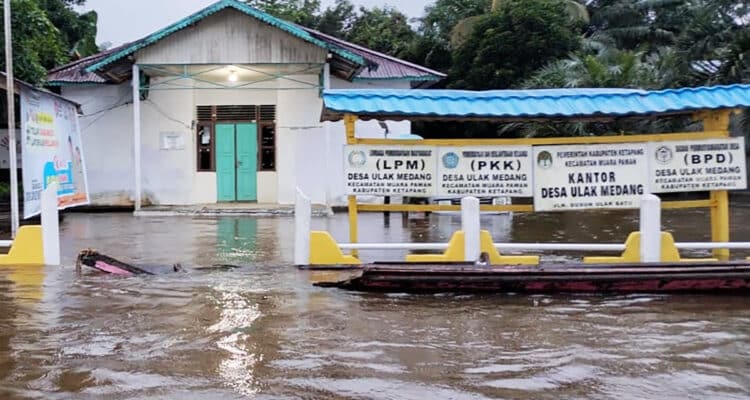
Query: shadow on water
(262,331)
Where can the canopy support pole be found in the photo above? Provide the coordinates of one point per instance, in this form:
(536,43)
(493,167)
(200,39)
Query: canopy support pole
(11,93)
(718,121)
(137,135)
(349,122)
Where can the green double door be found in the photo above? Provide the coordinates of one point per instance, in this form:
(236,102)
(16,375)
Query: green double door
(237,162)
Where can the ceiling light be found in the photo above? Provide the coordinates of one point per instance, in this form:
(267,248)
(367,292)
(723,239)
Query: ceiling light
(232,76)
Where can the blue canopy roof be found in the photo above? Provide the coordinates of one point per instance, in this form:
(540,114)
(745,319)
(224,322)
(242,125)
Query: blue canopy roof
(528,104)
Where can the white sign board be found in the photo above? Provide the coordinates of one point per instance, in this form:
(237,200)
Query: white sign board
(590,176)
(485,171)
(390,170)
(52,152)
(172,140)
(687,166)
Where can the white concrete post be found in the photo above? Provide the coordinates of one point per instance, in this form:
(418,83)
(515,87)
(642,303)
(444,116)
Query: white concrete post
(470,226)
(302,216)
(650,227)
(136,81)
(50,226)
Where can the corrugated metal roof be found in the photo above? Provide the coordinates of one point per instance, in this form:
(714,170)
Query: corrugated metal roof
(382,66)
(288,27)
(524,104)
(75,72)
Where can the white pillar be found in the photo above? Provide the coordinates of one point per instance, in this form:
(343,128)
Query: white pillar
(302,216)
(11,92)
(470,226)
(136,81)
(50,226)
(650,227)
(327,133)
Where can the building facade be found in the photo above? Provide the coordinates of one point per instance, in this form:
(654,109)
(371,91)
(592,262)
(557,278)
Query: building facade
(228,110)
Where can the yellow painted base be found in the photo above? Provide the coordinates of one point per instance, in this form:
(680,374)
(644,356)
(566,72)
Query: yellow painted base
(487,246)
(455,252)
(325,251)
(632,253)
(27,248)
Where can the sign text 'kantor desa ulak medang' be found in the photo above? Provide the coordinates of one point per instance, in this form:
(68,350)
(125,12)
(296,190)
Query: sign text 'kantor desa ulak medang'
(559,177)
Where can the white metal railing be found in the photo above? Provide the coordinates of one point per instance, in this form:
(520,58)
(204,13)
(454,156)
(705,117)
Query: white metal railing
(393,246)
(544,246)
(713,245)
(650,228)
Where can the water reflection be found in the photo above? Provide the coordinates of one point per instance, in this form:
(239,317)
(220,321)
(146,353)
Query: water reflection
(235,321)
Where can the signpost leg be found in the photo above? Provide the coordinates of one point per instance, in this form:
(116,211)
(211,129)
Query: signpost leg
(718,121)
(650,227)
(720,222)
(353,222)
(470,226)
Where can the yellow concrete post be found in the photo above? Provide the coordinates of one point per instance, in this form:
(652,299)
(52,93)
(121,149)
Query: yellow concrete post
(718,121)
(353,222)
(349,122)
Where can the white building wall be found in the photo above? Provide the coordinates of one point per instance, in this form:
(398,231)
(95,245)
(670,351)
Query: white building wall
(309,153)
(107,136)
(298,154)
(169,175)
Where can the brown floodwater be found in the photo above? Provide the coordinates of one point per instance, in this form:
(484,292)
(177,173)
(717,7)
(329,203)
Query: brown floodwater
(263,331)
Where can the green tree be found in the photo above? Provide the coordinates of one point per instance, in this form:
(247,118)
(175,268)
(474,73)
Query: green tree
(37,43)
(633,24)
(303,12)
(461,31)
(383,29)
(47,33)
(507,46)
(337,20)
(432,46)
(78,31)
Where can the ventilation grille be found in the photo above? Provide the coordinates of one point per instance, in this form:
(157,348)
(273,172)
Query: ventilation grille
(205,113)
(236,113)
(268,113)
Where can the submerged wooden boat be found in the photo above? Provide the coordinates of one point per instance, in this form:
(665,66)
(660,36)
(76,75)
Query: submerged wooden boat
(103,263)
(694,277)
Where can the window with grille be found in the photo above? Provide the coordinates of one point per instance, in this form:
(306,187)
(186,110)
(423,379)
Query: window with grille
(264,116)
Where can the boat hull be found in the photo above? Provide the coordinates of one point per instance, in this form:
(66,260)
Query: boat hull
(635,278)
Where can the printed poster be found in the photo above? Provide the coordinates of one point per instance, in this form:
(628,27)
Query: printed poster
(698,165)
(580,177)
(52,151)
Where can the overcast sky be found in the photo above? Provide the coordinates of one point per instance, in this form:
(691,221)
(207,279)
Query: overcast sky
(124,21)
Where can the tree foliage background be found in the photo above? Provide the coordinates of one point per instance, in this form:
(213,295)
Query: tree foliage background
(504,44)
(46,34)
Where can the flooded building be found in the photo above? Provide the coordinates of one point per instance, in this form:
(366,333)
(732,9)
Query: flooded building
(228,110)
